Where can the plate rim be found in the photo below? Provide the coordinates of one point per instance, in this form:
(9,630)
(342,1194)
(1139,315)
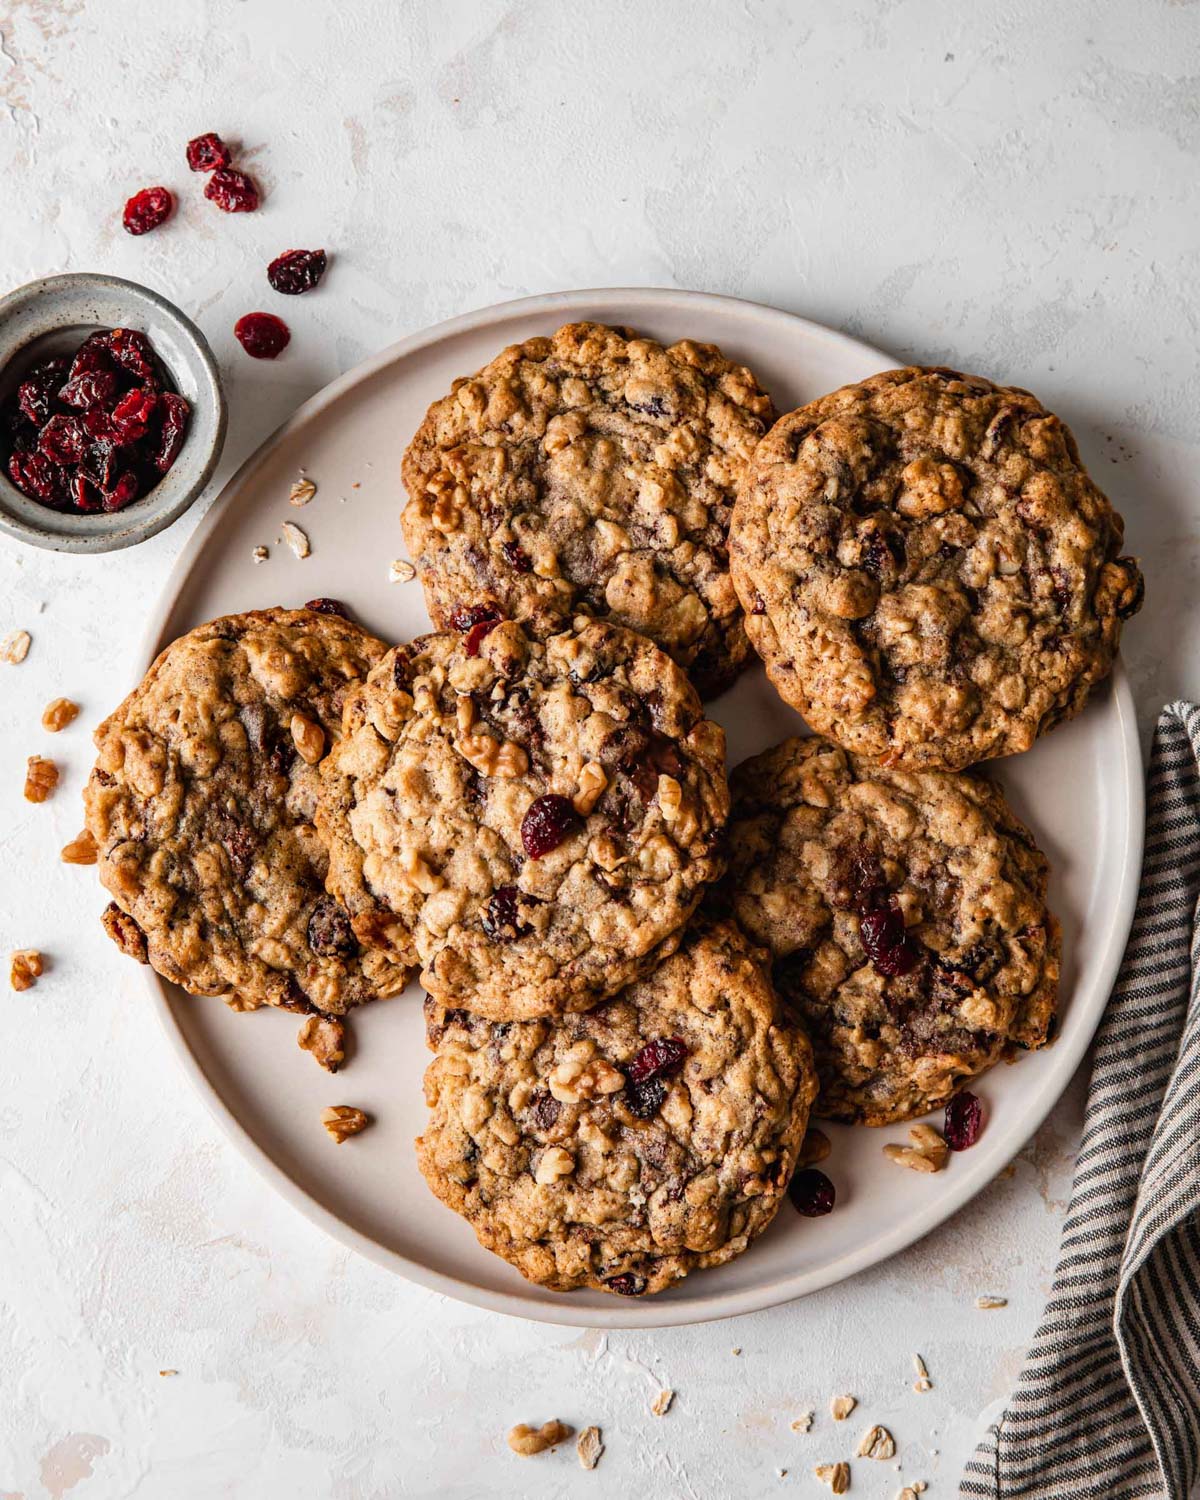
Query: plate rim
(655,1313)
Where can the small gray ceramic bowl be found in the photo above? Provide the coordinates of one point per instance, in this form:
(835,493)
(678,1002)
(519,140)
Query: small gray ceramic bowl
(54,316)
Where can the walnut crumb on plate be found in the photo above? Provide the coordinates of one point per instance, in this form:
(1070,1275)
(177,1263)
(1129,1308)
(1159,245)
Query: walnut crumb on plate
(526,1441)
(58,714)
(325,1038)
(260,554)
(343,1120)
(41,777)
(26,970)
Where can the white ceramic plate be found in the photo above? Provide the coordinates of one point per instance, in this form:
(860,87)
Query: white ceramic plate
(1080,789)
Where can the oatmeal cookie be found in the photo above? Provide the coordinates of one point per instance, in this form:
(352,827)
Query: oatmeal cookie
(201,803)
(623,1148)
(593,471)
(928,572)
(533,821)
(906,915)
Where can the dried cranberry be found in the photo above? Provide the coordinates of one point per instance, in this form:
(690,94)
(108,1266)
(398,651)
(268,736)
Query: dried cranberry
(886,943)
(501,917)
(262,335)
(63,440)
(123,490)
(476,634)
(100,463)
(627,1285)
(131,415)
(812,1193)
(328,607)
(176,413)
(132,352)
(329,930)
(964,1121)
(517,557)
(296,271)
(232,191)
(84,493)
(545,1109)
(34,475)
(464,616)
(92,388)
(645,1099)
(37,391)
(548,821)
(658,1059)
(205,153)
(147,210)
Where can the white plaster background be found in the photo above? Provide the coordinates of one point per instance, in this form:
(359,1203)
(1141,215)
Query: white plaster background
(1007,185)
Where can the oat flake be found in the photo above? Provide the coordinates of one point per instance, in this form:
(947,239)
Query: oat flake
(296,539)
(989,1302)
(589,1447)
(301,492)
(401,571)
(14,647)
(661,1404)
(842,1406)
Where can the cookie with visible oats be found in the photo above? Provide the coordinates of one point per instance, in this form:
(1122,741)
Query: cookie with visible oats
(906,915)
(928,572)
(593,471)
(201,803)
(532,821)
(621,1149)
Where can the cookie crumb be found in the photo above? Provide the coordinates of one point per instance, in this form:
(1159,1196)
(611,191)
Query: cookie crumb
(589,1447)
(928,1152)
(296,539)
(26,969)
(401,571)
(14,647)
(738,1350)
(877,1442)
(922,1382)
(168,1372)
(836,1476)
(343,1120)
(803,1422)
(58,714)
(842,1406)
(41,777)
(661,1404)
(81,850)
(815,1147)
(525,1441)
(260,554)
(301,492)
(987,1303)
(325,1038)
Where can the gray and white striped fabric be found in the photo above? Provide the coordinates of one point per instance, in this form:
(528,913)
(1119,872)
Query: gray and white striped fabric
(1108,1402)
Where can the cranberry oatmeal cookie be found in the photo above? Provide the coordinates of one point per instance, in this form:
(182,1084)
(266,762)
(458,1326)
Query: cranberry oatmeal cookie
(623,1148)
(201,803)
(928,571)
(593,471)
(906,915)
(533,821)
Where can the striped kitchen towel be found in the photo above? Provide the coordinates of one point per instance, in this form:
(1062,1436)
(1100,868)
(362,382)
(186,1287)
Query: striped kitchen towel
(1108,1401)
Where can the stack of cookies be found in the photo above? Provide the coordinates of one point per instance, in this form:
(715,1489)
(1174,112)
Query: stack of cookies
(633,992)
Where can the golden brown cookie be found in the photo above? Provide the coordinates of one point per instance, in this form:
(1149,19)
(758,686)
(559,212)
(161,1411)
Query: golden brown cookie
(533,821)
(202,802)
(590,472)
(623,1148)
(906,915)
(927,570)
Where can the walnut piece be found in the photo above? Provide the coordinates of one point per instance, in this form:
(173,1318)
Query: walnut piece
(301,492)
(836,1476)
(575,1080)
(58,714)
(928,1152)
(661,1404)
(26,968)
(343,1120)
(589,1447)
(592,782)
(308,738)
(81,850)
(325,1038)
(41,777)
(525,1441)
(877,1442)
(14,647)
(841,1407)
(555,1163)
(490,757)
(814,1148)
(125,932)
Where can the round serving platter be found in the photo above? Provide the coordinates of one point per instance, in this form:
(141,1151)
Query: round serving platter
(1080,789)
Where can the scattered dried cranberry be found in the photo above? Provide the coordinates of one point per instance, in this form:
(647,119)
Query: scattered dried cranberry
(147,210)
(464,616)
(658,1059)
(886,943)
(63,440)
(262,335)
(812,1193)
(549,820)
(296,271)
(628,1285)
(964,1121)
(328,607)
(232,191)
(517,557)
(501,917)
(476,634)
(205,153)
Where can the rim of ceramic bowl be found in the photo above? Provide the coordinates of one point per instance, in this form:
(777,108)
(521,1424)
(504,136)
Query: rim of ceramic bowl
(74,301)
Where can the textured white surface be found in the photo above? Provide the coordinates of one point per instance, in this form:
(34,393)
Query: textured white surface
(1012,187)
